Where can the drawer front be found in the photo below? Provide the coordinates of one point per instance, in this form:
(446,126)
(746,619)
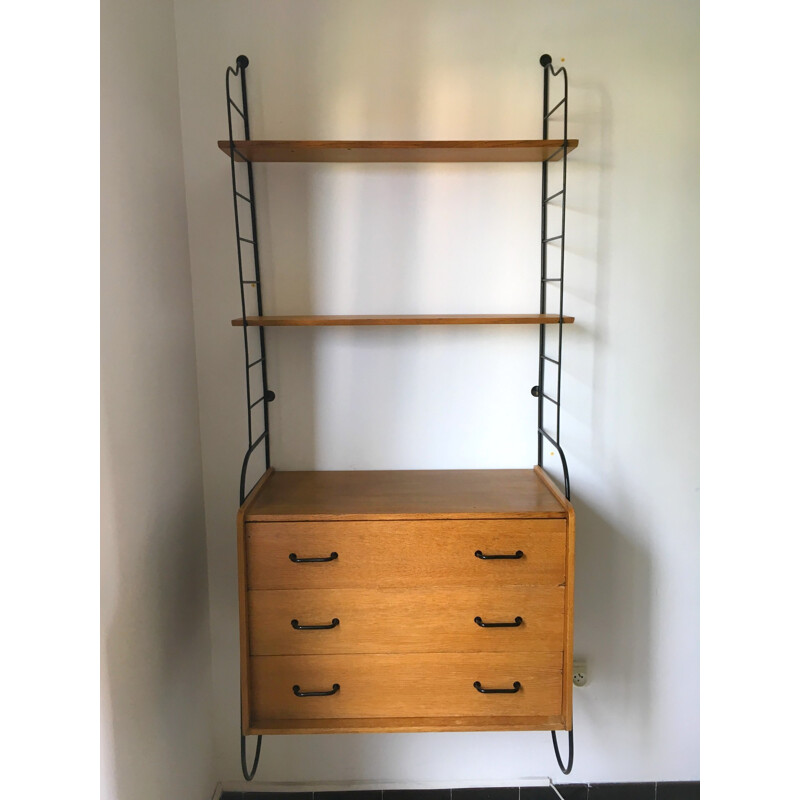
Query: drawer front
(406,620)
(413,685)
(406,553)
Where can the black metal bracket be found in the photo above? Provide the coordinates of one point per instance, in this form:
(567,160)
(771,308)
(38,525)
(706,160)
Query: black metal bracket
(547,281)
(566,770)
(266,396)
(249,774)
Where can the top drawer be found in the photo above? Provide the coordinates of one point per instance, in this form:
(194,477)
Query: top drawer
(405,553)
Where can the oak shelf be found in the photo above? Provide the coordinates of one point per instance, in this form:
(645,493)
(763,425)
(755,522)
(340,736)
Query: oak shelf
(479,150)
(403,494)
(402,319)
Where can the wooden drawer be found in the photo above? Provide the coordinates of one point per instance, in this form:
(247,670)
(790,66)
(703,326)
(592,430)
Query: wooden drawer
(405,553)
(412,685)
(406,620)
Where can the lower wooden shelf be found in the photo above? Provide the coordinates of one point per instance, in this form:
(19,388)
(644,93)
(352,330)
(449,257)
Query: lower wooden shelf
(373,590)
(356,320)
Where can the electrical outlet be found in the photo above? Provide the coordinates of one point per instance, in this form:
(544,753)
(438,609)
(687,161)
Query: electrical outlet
(580,673)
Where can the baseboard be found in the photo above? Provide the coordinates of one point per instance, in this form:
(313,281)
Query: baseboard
(527,789)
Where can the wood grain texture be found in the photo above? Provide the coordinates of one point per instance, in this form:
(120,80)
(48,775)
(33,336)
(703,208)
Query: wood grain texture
(484,150)
(351,320)
(569,593)
(414,685)
(406,620)
(418,553)
(404,494)
(244,624)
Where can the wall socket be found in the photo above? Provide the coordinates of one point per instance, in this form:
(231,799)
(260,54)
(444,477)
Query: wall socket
(580,673)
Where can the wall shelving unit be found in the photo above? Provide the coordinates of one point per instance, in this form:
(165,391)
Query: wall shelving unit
(411,600)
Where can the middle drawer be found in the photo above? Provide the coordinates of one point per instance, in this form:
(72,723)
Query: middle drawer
(510,619)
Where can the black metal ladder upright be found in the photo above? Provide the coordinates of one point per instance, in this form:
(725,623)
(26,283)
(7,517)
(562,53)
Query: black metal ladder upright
(260,356)
(266,396)
(541,391)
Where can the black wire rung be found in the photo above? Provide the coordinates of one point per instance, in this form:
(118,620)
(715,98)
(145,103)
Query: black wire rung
(553,196)
(553,155)
(244,197)
(241,113)
(553,238)
(551,280)
(547,397)
(253,363)
(555,108)
(256,402)
(252,283)
(551,360)
(243,239)
(240,154)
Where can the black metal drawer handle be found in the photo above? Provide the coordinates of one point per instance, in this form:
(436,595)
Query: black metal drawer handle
(294,557)
(298,627)
(298,693)
(517,687)
(515,624)
(481,554)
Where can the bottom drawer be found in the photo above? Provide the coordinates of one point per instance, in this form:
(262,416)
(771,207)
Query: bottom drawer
(409,685)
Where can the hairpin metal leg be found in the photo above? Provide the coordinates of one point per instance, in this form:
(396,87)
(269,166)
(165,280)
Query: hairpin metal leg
(558,754)
(248,776)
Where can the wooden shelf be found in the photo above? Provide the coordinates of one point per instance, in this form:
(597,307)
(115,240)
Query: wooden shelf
(418,151)
(403,494)
(402,319)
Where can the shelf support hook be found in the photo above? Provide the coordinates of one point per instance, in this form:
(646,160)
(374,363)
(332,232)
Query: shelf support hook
(571,744)
(250,774)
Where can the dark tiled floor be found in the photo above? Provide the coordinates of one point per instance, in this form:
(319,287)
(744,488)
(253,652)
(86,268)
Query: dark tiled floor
(683,790)
(267,796)
(416,794)
(622,791)
(569,791)
(505,793)
(678,790)
(366,794)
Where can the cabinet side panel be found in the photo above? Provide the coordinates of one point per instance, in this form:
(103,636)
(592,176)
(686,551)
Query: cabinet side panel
(569,593)
(244,646)
(244,637)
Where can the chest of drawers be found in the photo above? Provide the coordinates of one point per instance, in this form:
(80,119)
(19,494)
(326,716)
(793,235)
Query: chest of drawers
(406,601)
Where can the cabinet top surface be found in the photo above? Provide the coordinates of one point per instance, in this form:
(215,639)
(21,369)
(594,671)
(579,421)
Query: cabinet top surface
(399,151)
(402,494)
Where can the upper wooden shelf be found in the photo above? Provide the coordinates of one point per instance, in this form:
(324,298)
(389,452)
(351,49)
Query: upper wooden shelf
(407,319)
(419,151)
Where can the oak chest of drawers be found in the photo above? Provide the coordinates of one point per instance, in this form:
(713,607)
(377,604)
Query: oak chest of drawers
(406,601)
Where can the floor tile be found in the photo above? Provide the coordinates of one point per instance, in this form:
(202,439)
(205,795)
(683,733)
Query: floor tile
(622,791)
(416,794)
(678,790)
(500,793)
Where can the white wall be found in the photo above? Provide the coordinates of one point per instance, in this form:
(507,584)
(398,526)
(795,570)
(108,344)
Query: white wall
(450,238)
(155,649)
